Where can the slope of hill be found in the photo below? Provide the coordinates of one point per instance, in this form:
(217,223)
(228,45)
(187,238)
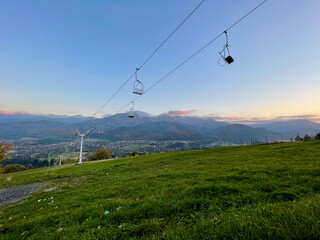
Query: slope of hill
(24,117)
(199,124)
(247,192)
(239,132)
(290,125)
(153,131)
(35,129)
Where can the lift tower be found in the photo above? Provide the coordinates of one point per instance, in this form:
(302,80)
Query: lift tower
(81,143)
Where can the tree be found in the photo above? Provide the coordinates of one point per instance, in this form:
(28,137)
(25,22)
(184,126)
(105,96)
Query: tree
(298,138)
(4,149)
(99,154)
(307,138)
(317,137)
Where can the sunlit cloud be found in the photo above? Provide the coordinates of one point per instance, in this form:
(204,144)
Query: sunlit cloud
(180,113)
(10,113)
(5,112)
(260,120)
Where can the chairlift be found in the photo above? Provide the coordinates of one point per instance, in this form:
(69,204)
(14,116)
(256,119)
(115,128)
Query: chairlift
(100,131)
(131,111)
(137,85)
(225,53)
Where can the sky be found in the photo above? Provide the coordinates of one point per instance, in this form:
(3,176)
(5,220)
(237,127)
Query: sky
(69,57)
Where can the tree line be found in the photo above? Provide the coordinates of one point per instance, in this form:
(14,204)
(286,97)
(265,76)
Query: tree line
(307,138)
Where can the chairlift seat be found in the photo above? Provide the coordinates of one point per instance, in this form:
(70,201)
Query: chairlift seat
(138,91)
(138,87)
(229,59)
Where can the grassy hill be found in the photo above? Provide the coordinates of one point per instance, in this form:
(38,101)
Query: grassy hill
(248,192)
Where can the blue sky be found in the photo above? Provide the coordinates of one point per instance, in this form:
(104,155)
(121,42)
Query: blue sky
(68,57)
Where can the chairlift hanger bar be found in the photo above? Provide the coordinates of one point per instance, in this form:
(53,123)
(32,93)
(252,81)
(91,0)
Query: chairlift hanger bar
(227,44)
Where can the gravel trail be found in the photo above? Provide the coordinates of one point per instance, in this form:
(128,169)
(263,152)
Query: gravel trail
(16,193)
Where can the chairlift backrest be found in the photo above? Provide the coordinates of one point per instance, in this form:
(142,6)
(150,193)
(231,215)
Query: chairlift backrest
(100,132)
(137,85)
(131,111)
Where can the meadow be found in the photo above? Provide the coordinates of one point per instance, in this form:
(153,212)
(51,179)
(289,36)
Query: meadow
(245,192)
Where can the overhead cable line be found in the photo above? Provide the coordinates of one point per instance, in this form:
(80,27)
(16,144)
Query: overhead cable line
(189,58)
(152,54)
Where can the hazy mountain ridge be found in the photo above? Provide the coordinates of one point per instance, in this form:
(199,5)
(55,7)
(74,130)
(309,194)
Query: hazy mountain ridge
(290,125)
(239,133)
(153,131)
(162,127)
(21,117)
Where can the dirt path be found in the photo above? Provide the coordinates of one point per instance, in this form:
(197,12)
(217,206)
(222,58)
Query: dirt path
(16,193)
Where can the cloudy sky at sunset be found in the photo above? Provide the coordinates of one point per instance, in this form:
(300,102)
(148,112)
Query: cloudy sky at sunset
(68,57)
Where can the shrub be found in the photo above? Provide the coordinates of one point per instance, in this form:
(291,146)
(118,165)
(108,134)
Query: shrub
(135,153)
(298,138)
(99,154)
(4,149)
(14,168)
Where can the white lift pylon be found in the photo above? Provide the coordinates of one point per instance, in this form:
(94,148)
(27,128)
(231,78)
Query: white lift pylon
(81,143)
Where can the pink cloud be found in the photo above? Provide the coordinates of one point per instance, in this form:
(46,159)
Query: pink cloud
(5,112)
(180,113)
(254,120)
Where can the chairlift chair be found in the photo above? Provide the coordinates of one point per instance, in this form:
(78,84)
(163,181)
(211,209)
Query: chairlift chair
(131,111)
(100,132)
(225,53)
(138,87)
(131,115)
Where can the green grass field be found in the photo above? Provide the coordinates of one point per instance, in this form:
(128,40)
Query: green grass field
(248,192)
(135,147)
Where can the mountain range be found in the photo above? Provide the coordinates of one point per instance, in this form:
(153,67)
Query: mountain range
(146,127)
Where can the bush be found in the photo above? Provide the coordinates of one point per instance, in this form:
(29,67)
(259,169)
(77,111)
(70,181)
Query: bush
(298,138)
(14,168)
(99,154)
(317,137)
(135,153)
(4,149)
